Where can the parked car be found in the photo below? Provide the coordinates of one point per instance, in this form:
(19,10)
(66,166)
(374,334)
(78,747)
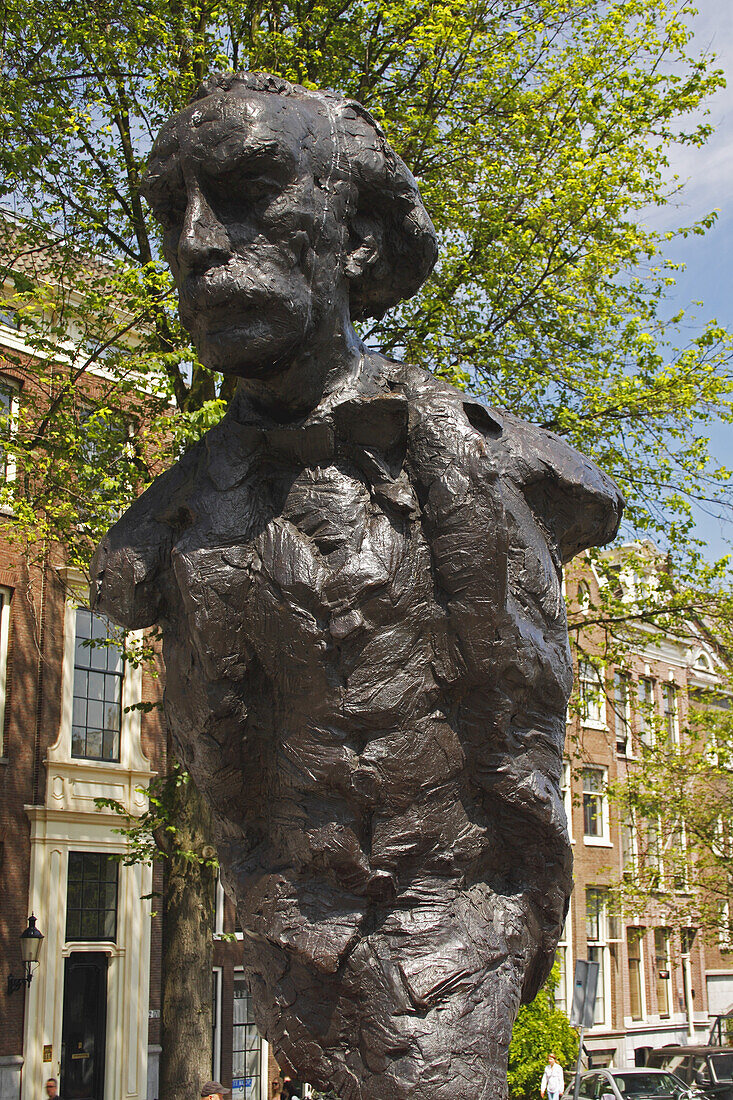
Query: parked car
(710,1069)
(639,1084)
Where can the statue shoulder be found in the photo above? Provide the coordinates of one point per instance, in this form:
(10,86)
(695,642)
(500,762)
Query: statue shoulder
(579,503)
(129,562)
(575,501)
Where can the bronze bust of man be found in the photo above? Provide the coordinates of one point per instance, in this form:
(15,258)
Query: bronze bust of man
(357,574)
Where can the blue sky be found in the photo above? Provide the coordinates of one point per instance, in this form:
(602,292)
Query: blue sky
(708,177)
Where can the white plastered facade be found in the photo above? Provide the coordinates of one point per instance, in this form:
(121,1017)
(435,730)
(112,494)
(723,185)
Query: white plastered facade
(68,821)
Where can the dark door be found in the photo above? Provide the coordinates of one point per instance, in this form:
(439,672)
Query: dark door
(84,1028)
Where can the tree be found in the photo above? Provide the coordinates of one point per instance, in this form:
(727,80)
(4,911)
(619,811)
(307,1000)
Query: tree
(539,130)
(541,1027)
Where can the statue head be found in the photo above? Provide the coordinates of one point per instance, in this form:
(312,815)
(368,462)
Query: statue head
(285,213)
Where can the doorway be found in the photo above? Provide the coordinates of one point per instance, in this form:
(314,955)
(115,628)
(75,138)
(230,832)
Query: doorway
(83,1035)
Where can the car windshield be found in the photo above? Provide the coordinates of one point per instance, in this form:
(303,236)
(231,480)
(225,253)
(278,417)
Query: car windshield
(649,1084)
(722,1066)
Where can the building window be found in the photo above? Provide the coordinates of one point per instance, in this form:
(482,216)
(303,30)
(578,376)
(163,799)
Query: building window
(562,958)
(566,793)
(596,926)
(654,853)
(671,720)
(9,318)
(629,849)
(584,596)
(216,1022)
(595,808)
(677,870)
(725,928)
(4,635)
(91,900)
(246,1045)
(645,711)
(662,970)
(634,941)
(621,712)
(98,673)
(9,391)
(591,694)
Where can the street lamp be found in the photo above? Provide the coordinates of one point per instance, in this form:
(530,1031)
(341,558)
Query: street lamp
(30,949)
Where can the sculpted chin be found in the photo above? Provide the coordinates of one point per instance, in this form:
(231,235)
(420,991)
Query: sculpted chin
(357,575)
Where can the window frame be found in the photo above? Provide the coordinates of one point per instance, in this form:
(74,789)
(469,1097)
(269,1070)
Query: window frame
(6,596)
(601,838)
(665,958)
(132,757)
(646,710)
(598,946)
(671,717)
(566,794)
(621,711)
(105,673)
(217,978)
(564,951)
(239,975)
(591,695)
(13,387)
(84,907)
(636,932)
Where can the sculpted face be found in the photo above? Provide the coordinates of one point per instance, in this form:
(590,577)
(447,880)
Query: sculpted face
(253,242)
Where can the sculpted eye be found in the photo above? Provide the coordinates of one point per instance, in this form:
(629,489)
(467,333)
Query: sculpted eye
(235,191)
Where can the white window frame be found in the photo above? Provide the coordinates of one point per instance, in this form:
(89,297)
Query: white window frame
(621,711)
(220,900)
(219,910)
(671,717)
(264,1046)
(639,932)
(602,839)
(565,985)
(645,709)
(629,848)
(6,595)
(11,472)
(566,793)
(667,960)
(676,840)
(131,754)
(600,945)
(120,676)
(584,597)
(592,695)
(218,974)
(725,928)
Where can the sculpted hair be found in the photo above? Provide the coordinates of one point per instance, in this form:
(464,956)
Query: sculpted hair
(384,208)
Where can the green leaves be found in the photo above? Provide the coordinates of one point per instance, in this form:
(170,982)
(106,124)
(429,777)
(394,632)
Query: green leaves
(541,1027)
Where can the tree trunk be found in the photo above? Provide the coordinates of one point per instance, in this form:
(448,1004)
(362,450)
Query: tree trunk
(188,921)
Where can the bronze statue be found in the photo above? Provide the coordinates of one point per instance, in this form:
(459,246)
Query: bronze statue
(357,574)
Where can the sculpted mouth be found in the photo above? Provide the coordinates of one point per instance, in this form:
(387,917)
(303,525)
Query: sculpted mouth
(219,292)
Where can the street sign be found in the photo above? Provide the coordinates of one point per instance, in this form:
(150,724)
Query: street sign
(584,1002)
(584,993)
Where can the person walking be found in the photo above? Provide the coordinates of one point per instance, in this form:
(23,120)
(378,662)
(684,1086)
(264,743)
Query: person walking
(553,1081)
(52,1089)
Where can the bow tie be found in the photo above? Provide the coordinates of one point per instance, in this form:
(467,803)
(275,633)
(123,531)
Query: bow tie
(369,431)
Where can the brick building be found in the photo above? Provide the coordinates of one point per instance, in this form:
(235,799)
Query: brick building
(657,985)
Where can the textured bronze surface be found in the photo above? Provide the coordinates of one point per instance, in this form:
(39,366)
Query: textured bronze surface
(357,574)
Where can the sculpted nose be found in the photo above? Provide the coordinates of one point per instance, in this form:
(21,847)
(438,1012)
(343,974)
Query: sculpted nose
(204,241)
